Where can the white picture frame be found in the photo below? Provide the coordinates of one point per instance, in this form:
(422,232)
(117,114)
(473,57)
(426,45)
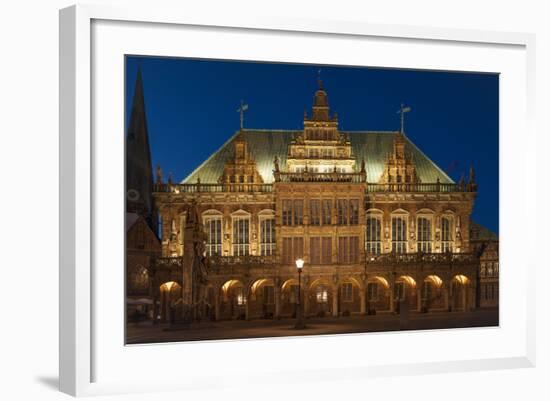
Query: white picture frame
(84,352)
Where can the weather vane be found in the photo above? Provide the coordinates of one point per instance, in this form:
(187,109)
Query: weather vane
(242,108)
(402,110)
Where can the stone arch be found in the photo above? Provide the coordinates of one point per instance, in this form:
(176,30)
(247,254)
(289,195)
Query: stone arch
(459,292)
(378,294)
(170,294)
(262,298)
(350,296)
(432,293)
(233,299)
(405,292)
(319,299)
(289,297)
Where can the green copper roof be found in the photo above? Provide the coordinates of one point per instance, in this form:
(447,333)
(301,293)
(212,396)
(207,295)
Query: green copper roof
(266,144)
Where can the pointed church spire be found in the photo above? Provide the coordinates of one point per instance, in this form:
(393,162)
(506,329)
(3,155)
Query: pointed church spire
(139,171)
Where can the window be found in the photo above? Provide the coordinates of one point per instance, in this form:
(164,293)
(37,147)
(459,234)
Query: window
(399,290)
(482,270)
(399,234)
(354,211)
(315,212)
(269,295)
(213,228)
(239,295)
(322,294)
(446,238)
(342,205)
(139,278)
(298,212)
(495,269)
(287,213)
(159,226)
(293,212)
(489,269)
(320,250)
(348,249)
(293,248)
(424,237)
(267,236)
(327,211)
(372,291)
(374,236)
(427,290)
(241,232)
(347,292)
(348,211)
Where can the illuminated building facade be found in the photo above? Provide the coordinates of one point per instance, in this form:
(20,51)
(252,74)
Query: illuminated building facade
(378,224)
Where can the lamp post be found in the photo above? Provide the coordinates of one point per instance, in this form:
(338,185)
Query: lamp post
(299,321)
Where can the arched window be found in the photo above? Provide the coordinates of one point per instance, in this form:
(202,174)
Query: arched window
(267,235)
(446,235)
(399,234)
(139,278)
(213,229)
(373,235)
(424,237)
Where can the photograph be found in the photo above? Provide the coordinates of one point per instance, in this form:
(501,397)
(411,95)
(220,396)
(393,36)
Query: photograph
(273,199)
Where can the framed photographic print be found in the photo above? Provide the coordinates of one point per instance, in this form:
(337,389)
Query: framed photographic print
(341,186)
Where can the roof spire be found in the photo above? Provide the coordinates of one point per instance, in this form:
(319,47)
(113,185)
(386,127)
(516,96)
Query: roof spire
(319,80)
(242,108)
(402,110)
(139,170)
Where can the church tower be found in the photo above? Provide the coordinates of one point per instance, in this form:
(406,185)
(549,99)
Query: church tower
(139,174)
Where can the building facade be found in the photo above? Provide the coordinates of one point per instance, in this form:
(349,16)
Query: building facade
(377,223)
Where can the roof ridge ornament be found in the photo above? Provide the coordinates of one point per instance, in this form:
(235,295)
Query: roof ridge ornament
(402,110)
(242,108)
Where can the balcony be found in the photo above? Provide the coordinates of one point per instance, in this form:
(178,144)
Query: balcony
(421,187)
(419,257)
(242,260)
(209,188)
(307,176)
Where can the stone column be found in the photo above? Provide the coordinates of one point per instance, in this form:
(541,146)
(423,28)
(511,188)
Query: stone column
(464,298)
(419,299)
(277,295)
(446,298)
(217,307)
(247,307)
(363,296)
(335,302)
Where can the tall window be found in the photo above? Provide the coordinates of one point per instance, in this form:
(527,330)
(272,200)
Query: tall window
(298,207)
(241,233)
(354,211)
(446,238)
(348,249)
(342,205)
(399,290)
(320,250)
(399,234)
(159,226)
(374,236)
(293,212)
(372,291)
(213,228)
(293,248)
(424,237)
(267,236)
(315,212)
(287,212)
(347,292)
(269,295)
(322,294)
(348,211)
(327,211)
(427,290)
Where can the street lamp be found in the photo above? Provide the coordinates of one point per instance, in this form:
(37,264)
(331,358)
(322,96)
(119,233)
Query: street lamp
(299,322)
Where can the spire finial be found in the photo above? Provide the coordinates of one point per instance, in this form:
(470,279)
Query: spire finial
(319,80)
(402,110)
(242,108)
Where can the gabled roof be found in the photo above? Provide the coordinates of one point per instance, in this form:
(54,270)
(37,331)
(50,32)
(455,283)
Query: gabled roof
(266,144)
(481,233)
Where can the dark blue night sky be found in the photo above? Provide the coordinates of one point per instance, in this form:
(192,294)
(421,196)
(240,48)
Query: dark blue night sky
(191,111)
